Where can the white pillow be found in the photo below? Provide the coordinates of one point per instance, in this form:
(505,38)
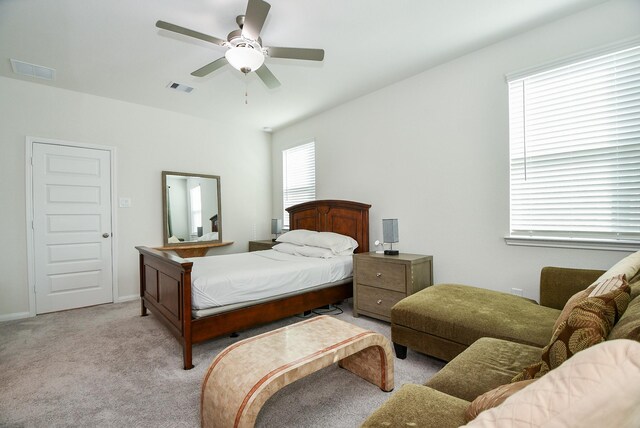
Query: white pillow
(334,241)
(347,252)
(597,387)
(322,253)
(297,236)
(287,248)
(211,236)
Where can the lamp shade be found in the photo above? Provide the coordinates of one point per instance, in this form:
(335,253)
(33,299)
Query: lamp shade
(244,58)
(276,226)
(390,230)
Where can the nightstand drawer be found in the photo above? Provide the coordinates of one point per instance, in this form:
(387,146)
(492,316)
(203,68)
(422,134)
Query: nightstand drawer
(382,275)
(377,300)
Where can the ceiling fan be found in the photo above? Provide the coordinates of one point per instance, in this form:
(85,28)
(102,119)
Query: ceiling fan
(245,51)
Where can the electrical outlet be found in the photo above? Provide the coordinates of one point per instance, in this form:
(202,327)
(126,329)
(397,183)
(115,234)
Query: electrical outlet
(517,291)
(125,203)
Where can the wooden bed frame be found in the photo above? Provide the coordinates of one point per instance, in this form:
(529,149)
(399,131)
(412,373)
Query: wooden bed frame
(165,280)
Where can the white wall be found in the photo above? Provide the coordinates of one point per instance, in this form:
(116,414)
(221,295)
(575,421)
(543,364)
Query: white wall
(147,142)
(432,151)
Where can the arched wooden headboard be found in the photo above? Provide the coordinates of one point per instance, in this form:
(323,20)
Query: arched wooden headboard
(344,217)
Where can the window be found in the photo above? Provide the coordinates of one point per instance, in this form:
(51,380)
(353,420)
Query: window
(574,132)
(195,205)
(298,176)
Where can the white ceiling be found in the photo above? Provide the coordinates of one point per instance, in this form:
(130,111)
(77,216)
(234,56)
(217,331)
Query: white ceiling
(112,48)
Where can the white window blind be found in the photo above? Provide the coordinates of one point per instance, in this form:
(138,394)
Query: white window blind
(574,136)
(195,207)
(298,176)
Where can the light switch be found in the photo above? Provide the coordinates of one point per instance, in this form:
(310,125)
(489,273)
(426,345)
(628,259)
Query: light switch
(125,203)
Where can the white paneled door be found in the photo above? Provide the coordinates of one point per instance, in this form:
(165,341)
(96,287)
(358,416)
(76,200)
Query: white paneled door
(71,227)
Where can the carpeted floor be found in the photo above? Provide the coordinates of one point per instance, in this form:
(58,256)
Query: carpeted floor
(105,366)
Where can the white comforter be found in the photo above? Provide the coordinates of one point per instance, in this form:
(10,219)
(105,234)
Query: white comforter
(235,278)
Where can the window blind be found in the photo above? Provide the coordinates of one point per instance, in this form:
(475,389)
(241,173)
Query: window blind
(298,176)
(574,136)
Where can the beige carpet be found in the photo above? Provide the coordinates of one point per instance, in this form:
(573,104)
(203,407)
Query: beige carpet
(105,366)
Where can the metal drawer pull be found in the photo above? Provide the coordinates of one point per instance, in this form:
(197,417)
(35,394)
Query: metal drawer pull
(378,274)
(379,301)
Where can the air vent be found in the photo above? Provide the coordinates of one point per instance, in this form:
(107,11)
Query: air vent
(32,70)
(179,87)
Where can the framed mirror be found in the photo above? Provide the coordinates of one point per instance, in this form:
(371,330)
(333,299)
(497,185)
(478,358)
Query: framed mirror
(192,213)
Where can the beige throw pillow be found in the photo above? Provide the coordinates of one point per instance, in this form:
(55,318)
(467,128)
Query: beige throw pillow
(596,388)
(629,266)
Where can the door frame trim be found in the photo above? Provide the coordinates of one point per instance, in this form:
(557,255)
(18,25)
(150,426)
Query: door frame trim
(29,142)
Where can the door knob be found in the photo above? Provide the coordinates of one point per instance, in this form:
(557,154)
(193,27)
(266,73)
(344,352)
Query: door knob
(106,235)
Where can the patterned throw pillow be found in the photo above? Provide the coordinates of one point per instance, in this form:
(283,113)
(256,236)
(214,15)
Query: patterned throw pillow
(571,303)
(607,285)
(595,289)
(494,398)
(589,323)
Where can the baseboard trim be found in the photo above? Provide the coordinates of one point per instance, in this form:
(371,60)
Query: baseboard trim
(14,316)
(129,298)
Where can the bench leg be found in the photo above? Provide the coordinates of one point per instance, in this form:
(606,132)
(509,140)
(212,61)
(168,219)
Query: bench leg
(374,364)
(401,351)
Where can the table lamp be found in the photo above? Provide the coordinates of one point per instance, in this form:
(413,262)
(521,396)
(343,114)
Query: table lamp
(276,228)
(390,234)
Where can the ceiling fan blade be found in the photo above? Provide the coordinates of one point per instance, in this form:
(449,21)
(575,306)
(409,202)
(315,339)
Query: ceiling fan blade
(296,53)
(254,18)
(191,33)
(267,77)
(211,67)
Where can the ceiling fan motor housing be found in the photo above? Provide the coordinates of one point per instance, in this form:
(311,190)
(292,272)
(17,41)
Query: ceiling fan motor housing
(236,39)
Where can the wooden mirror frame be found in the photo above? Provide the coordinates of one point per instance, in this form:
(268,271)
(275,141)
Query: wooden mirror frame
(199,244)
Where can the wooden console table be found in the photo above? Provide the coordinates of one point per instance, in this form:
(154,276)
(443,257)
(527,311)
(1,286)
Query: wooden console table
(243,376)
(266,244)
(193,250)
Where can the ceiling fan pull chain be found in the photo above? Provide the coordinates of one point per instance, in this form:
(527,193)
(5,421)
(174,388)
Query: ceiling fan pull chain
(246,90)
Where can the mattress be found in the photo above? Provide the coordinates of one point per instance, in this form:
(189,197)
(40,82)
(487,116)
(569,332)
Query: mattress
(245,277)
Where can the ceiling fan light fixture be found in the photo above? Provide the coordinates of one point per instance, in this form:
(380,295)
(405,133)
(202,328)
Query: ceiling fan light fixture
(244,58)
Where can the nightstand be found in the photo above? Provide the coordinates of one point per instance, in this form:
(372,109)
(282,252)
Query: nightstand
(261,245)
(380,281)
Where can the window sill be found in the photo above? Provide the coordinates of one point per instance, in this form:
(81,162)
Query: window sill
(579,243)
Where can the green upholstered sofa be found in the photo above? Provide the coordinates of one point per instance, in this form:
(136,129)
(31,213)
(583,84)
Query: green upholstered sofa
(493,339)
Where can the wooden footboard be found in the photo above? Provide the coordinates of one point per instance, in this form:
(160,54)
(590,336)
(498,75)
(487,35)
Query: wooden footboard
(165,288)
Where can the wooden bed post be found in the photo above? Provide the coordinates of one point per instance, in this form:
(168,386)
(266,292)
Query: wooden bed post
(143,308)
(187,341)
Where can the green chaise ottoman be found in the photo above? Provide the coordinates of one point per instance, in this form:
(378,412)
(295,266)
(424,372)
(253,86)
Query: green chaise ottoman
(443,320)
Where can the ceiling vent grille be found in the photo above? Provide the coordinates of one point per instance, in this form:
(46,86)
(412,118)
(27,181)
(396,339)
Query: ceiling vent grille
(179,87)
(32,70)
